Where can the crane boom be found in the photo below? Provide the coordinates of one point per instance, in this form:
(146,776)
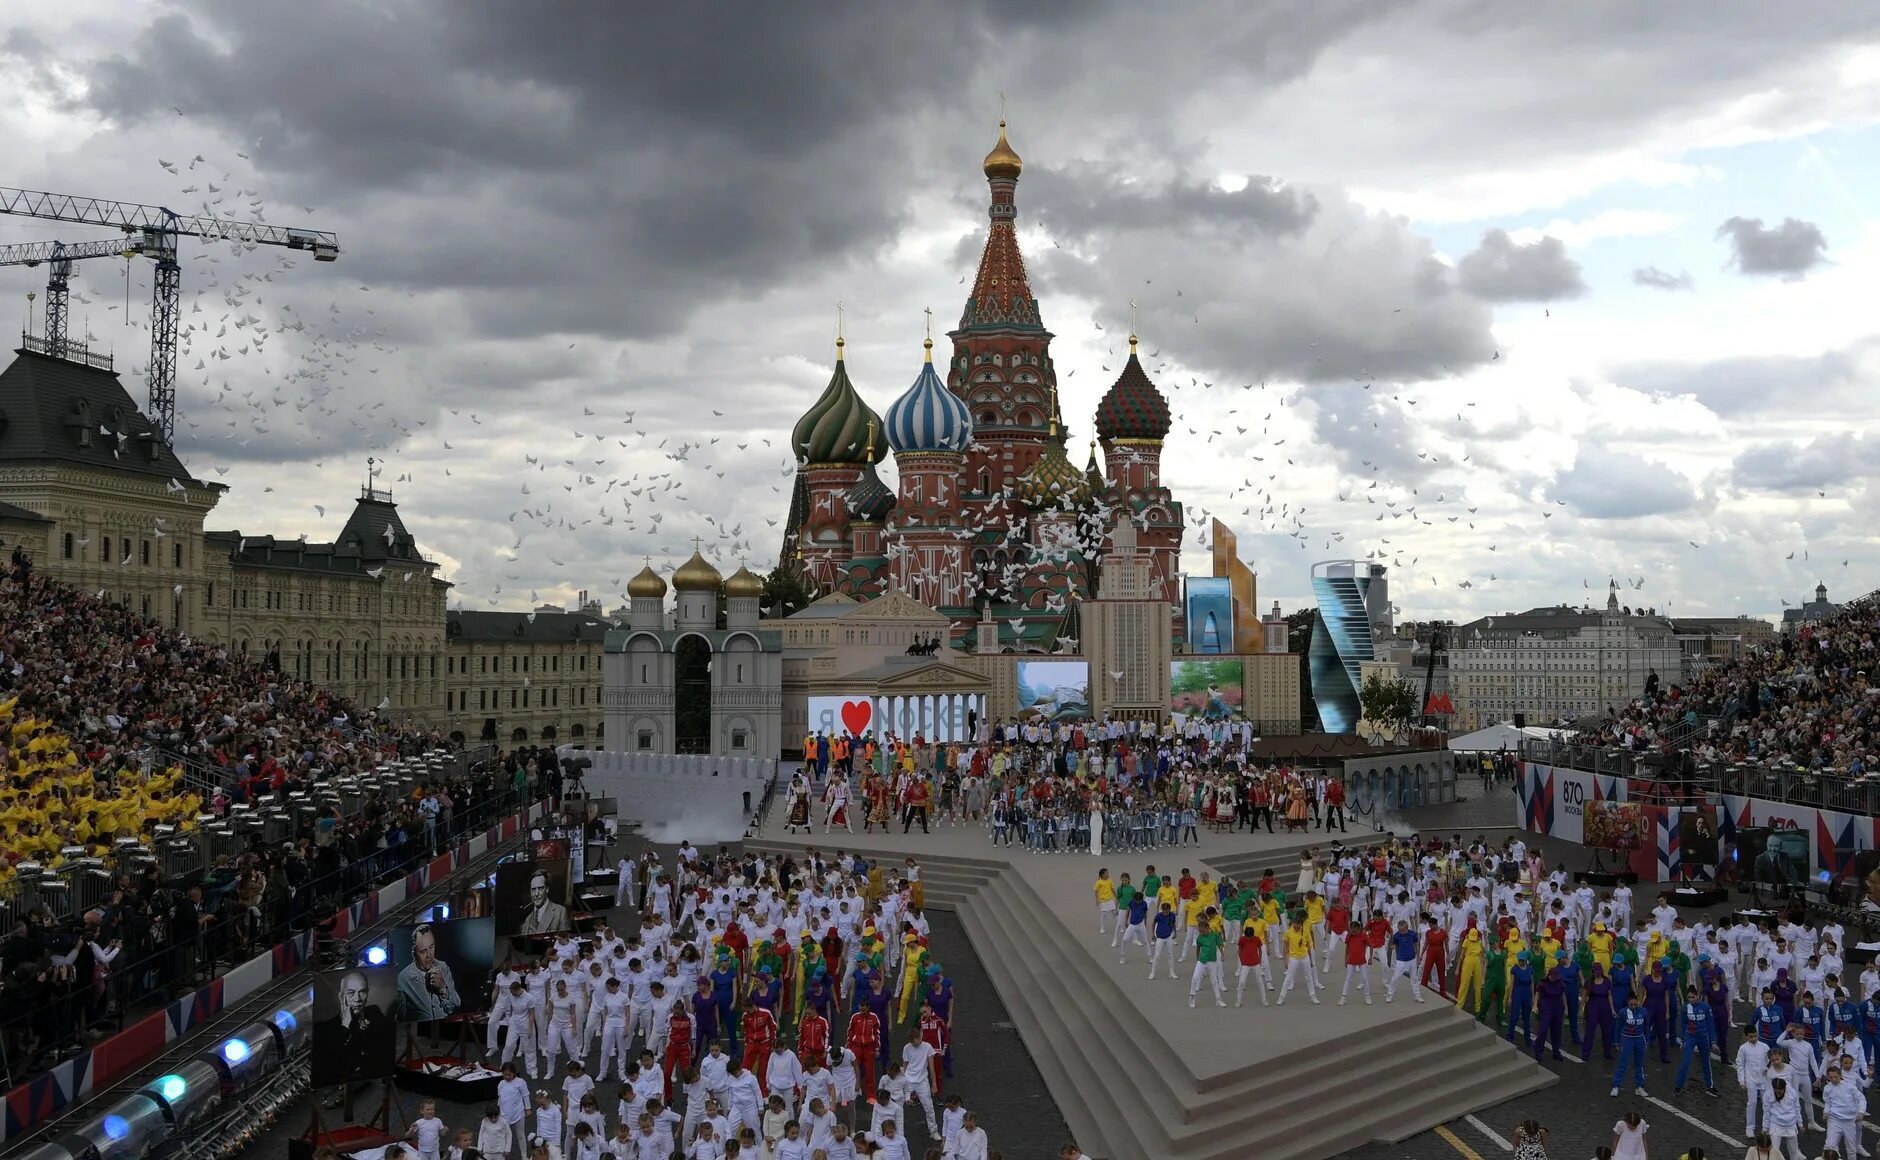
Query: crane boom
(60,257)
(33,253)
(129,216)
(160,228)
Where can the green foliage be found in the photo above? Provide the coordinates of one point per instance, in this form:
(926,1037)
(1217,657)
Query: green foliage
(1389,703)
(786,591)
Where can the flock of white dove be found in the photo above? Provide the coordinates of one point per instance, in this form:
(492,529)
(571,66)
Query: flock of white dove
(233,313)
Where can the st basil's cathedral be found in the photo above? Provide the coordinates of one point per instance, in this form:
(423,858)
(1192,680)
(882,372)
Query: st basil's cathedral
(990,519)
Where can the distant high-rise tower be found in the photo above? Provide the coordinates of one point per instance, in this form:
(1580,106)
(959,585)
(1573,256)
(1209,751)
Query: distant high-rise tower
(1341,639)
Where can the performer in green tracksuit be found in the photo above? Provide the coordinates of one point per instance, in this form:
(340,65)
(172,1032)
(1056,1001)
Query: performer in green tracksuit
(1495,989)
(1208,958)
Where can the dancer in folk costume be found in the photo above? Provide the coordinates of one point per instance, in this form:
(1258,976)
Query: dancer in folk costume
(799,805)
(879,796)
(836,798)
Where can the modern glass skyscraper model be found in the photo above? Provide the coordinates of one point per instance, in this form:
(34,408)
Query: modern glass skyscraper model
(1349,593)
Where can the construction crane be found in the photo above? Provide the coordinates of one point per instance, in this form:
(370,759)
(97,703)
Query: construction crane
(158,232)
(59,257)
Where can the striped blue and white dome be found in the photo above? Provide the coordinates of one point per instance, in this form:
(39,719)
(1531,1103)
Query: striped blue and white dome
(928,417)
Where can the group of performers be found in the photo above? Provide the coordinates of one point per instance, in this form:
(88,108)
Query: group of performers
(1059,788)
(1555,966)
(800,988)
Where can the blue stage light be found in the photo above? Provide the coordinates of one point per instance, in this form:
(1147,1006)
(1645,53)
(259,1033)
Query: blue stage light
(172,1087)
(235,1050)
(116,1128)
(284,1019)
(374,956)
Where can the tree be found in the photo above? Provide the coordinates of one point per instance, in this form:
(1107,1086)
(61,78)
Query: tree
(1390,703)
(786,591)
(1299,643)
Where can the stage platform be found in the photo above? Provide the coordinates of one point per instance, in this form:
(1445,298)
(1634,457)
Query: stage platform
(1141,1076)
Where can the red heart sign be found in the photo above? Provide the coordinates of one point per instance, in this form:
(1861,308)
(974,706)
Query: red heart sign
(855,716)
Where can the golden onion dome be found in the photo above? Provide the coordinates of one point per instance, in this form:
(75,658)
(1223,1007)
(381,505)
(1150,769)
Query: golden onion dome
(696,575)
(646,584)
(1003,161)
(744,582)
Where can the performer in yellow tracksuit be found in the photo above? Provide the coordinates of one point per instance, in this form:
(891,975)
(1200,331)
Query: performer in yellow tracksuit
(1469,954)
(1299,960)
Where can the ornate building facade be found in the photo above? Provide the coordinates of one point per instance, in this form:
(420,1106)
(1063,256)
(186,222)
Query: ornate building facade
(989,512)
(682,684)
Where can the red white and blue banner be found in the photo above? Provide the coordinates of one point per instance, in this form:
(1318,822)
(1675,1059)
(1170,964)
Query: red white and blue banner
(1552,801)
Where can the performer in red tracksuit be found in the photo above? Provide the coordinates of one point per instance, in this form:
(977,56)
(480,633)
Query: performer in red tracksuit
(678,1047)
(933,1032)
(760,1031)
(812,1038)
(864,1041)
(1436,957)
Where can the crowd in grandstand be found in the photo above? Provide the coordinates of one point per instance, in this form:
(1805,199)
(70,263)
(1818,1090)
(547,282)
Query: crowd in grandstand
(99,710)
(1808,700)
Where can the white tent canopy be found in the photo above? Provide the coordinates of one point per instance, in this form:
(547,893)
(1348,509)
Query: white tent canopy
(1501,736)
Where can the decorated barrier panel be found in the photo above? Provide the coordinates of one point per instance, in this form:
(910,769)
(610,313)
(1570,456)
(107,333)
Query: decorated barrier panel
(1556,801)
(96,1068)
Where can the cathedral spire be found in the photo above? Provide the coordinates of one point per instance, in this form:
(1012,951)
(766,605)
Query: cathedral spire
(1001,295)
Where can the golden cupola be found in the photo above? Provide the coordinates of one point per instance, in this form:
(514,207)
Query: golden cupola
(1003,161)
(696,575)
(646,585)
(744,583)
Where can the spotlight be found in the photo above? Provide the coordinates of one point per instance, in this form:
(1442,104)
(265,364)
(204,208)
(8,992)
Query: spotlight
(284,1019)
(172,1087)
(116,1127)
(235,1050)
(374,956)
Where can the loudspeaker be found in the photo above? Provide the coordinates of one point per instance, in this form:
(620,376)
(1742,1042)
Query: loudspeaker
(1520,720)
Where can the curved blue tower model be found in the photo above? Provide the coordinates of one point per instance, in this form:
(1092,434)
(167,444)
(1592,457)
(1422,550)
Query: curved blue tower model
(1341,641)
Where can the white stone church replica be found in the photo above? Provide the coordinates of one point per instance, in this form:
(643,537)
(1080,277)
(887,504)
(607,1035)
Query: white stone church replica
(658,659)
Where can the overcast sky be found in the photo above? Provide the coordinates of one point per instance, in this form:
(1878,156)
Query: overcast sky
(1519,297)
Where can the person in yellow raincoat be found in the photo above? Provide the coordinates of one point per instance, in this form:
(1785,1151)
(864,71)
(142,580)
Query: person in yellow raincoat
(1601,941)
(913,958)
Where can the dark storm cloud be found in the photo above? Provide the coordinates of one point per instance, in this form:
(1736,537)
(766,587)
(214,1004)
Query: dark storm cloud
(1788,251)
(1503,270)
(1266,281)
(1658,279)
(1801,466)
(1765,384)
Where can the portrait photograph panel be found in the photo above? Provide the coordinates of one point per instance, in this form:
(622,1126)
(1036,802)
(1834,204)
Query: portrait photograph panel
(444,968)
(532,898)
(355,1036)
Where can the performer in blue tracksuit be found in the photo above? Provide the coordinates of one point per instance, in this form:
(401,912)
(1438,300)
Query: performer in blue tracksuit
(1635,1025)
(1521,997)
(1699,1037)
(1717,995)
(1770,1021)
(1868,1024)
(1843,1014)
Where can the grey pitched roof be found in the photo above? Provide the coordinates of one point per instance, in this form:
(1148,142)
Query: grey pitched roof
(16,513)
(56,411)
(375,531)
(518,627)
(300,556)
